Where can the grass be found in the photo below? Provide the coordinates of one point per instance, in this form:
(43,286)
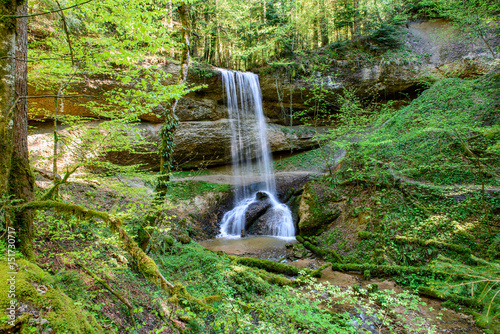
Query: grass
(185,190)
(309,160)
(190,173)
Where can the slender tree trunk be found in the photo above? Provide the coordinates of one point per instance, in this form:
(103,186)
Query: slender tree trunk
(171,24)
(170,123)
(355,19)
(316,28)
(323,24)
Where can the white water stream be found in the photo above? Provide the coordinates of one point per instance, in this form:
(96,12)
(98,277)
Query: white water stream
(251,156)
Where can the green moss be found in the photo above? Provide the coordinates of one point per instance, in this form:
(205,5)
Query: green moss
(271,266)
(394,271)
(317,273)
(247,283)
(327,254)
(424,140)
(64,316)
(465,301)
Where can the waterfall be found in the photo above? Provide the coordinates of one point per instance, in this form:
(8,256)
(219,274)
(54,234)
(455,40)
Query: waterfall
(255,185)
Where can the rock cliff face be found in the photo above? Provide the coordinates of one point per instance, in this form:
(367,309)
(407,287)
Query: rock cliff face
(197,143)
(434,50)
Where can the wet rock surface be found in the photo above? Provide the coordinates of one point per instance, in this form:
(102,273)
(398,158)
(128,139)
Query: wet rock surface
(255,211)
(263,225)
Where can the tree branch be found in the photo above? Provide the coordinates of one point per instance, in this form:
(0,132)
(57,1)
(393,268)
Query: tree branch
(45,13)
(57,96)
(65,25)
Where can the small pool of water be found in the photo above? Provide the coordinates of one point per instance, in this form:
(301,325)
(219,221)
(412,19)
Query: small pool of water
(262,247)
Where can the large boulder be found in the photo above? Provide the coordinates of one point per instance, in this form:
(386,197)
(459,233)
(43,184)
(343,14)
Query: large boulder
(255,210)
(267,223)
(319,207)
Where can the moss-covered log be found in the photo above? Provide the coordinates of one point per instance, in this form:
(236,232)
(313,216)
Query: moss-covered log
(267,265)
(399,239)
(326,254)
(388,271)
(272,278)
(317,273)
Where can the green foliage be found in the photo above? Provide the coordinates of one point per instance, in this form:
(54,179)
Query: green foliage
(421,242)
(326,254)
(318,103)
(445,120)
(385,37)
(480,283)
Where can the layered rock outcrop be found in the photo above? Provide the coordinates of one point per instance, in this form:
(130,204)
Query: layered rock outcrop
(433,50)
(197,143)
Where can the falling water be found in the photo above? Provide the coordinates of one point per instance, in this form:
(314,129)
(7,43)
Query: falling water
(251,158)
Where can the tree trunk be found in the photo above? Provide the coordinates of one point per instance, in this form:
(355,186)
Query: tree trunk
(21,180)
(355,19)
(170,123)
(316,28)
(323,24)
(16,177)
(7,93)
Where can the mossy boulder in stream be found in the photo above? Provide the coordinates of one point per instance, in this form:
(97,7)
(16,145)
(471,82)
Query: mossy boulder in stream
(40,304)
(318,208)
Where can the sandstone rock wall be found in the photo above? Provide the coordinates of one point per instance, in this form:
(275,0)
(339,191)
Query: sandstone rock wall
(197,143)
(434,50)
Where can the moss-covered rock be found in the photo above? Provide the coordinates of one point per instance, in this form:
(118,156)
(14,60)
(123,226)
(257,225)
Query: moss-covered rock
(318,208)
(38,298)
(184,239)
